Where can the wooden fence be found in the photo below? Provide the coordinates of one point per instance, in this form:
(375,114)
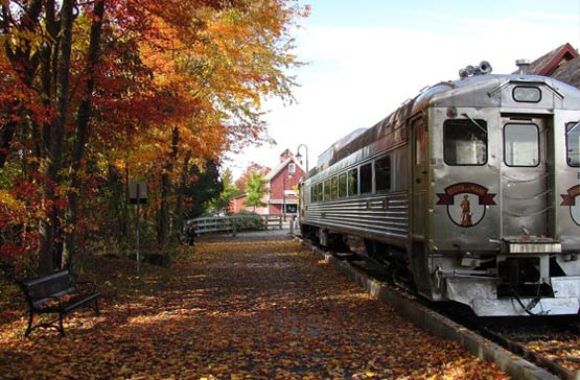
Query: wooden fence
(232,224)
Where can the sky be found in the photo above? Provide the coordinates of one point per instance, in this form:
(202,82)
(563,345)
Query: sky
(364,58)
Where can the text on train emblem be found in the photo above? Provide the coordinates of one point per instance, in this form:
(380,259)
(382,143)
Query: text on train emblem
(469,207)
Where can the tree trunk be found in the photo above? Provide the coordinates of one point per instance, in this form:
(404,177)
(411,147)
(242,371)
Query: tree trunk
(164,221)
(51,249)
(83,118)
(178,215)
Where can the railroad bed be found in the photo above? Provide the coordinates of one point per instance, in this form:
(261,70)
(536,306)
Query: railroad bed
(552,343)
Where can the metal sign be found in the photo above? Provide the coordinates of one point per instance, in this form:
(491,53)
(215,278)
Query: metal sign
(138,196)
(137,193)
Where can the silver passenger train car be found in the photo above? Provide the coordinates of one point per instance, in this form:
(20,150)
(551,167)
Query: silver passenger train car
(471,188)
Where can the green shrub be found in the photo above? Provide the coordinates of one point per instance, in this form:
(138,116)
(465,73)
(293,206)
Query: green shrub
(248,221)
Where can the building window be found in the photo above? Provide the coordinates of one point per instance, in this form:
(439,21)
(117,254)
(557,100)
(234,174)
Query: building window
(521,145)
(342,185)
(366,179)
(291,168)
(352,182)
(383,174)
(465,142)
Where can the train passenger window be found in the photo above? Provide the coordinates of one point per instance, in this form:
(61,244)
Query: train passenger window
(317,193)
(342,185)
(352,182)
(313,194)
(366,179)
(334,188)
(320,192)
(521,145)
(573,144)
(383,174)
(327,190)
(465,142)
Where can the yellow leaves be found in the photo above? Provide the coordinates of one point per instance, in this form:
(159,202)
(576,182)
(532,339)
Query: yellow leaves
(9,201)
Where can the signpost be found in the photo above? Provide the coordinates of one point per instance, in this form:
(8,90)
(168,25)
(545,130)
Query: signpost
(138,196)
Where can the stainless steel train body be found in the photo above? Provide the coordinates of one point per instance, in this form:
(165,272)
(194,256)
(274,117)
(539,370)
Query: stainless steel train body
(472,187)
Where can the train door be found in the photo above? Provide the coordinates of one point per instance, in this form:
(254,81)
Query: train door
(418,259)
(525,178)
(420,184)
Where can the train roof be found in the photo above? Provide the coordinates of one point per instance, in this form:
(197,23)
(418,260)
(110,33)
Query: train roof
(474,91)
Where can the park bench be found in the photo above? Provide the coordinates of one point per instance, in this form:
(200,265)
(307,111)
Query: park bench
(57,293)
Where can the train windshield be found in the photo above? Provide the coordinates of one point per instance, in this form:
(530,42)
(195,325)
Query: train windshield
(465,142)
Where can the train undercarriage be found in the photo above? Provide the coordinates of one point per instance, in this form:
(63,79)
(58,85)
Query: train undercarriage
(490,284)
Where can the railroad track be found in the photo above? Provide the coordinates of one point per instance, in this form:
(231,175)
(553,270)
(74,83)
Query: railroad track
(559,354)
(550,343)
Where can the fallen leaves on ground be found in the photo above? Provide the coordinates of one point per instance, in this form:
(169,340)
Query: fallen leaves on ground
(254,310)
(564,352)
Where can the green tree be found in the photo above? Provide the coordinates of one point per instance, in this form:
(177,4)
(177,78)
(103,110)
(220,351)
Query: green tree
(198,193)
(256,189)
(230,190)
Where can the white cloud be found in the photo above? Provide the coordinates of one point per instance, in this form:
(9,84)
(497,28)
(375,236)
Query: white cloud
(359,75)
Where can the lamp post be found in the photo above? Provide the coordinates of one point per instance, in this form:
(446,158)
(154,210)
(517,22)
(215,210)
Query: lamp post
(299,156)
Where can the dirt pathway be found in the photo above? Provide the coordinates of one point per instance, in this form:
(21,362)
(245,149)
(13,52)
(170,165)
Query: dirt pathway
(255,310)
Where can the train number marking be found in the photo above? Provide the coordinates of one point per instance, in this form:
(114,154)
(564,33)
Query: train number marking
(470,207)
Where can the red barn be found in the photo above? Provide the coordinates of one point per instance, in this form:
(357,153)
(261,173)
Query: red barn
(282,196)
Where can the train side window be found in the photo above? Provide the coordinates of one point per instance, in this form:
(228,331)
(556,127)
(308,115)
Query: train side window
(333,188)
(573,144)
(313,194)
(342,185)
(465,142)
(316,192)
(366,179)
(327,190)
(352,182)
(383,174)
(320,192)
(521,145)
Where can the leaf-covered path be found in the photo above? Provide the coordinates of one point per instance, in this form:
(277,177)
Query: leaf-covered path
(256,310)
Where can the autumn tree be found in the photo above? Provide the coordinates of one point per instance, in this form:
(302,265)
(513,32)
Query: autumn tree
(256,190)
(94,94)
(254,167)
(230,190)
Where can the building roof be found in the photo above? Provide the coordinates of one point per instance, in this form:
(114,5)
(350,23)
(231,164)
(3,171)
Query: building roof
(569,72)
(274,172)
(561,63)
(549,62)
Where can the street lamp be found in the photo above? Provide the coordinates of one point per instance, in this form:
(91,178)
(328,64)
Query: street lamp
(299,156)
